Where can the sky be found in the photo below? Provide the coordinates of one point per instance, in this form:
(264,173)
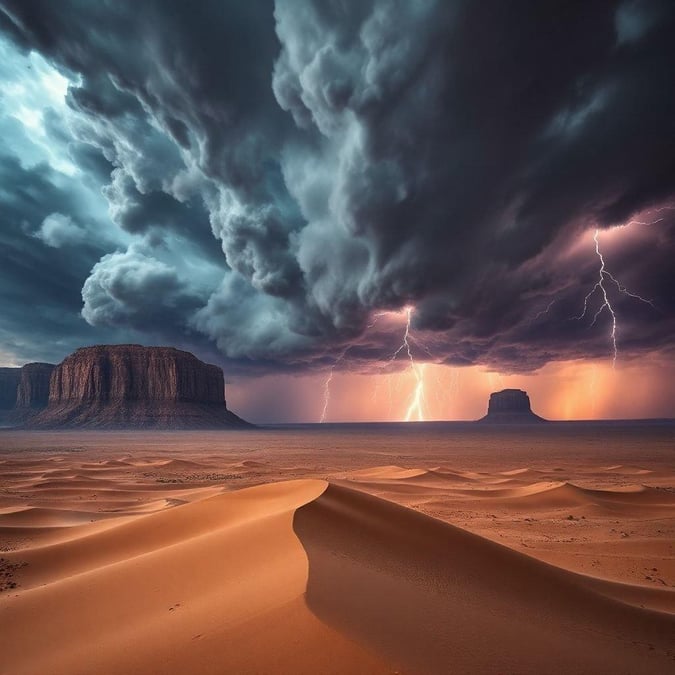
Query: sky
(373,210)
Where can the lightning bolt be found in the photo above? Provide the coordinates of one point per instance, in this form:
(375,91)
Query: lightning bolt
(326,394)
(326,384)
(416,403)
(415,407)
(376,318)
(604,276)
(415,410)
(543,312)
(338,360)
(661,209)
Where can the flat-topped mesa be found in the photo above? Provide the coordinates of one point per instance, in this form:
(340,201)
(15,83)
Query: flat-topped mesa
(118,373)
(33,389)
(510,406)
(131,386)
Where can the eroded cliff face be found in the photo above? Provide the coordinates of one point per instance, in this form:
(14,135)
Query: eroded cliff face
(33,389)
(510,406)
(23,392)
(9,383)
(130,386)
(119,373)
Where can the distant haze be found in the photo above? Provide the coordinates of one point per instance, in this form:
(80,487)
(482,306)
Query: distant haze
(567,391)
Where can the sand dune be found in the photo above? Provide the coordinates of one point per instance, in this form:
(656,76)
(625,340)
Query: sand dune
(557,495)
(525,471)
(396,479)
(194,553)
(628,470)
(510,491)
(44,517)
(389,472)
(307,577)
(170,592)
(429,595)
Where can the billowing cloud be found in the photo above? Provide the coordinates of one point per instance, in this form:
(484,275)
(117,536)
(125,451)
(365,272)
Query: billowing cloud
(58,230)
(133,288)
(266,180)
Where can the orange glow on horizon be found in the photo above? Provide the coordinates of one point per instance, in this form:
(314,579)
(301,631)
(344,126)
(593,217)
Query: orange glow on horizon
(573,390)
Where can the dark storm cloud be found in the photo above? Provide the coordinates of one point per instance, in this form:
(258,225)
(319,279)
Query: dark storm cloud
(353,157)
(42,267)
(535,314)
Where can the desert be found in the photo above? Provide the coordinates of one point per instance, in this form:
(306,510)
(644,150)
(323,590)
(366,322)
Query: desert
(425,548)
(337,337)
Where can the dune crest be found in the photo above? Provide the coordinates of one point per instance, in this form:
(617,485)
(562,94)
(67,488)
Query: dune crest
(304,577)
(434,597)
(166,592)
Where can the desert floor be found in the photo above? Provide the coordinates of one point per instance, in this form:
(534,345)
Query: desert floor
(416,549)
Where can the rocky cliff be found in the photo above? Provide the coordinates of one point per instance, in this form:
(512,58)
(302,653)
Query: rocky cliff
(9,383)
(130,386)
(23,392)
(510,406)
(33,389)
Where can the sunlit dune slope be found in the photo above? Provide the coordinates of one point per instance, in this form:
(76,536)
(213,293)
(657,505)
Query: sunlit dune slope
(307,577)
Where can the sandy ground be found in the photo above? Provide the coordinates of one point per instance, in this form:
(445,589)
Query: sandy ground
(344,550)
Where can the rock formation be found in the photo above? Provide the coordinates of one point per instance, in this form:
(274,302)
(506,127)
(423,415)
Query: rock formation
(9,383)
(130,386)
(23,392)
(33,389)
(510,406)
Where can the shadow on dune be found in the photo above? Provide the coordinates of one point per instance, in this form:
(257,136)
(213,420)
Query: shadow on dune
(433,598)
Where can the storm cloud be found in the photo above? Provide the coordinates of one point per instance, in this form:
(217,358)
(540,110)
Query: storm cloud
(265,178)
